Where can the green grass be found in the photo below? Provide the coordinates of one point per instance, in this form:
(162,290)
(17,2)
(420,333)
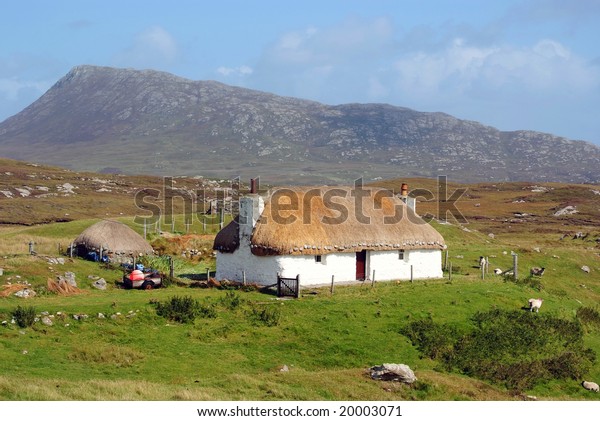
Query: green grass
(328,342)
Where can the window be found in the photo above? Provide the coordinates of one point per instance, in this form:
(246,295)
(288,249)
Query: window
(401,254)
(318,258)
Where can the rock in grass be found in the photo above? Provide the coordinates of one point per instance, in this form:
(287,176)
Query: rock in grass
(586,269)
(393,372)
(99,284)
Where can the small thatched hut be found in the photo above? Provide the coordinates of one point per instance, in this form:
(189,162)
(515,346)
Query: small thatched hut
(113,239)
(323,231)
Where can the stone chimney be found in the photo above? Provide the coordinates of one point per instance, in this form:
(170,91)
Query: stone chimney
(251,207)
(411,202)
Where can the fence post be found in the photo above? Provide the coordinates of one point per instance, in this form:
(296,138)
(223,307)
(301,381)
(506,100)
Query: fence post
(411,273)
(244,277)
(331,289)
(449,271)
(515,266)
(373,279)
(71,250)
(278,285)
(207,274)
(297,294)
(446,260)
(171,267)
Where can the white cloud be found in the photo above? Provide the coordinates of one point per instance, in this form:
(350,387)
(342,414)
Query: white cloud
(546,68)
(235,71)
(154,48)
(11,89)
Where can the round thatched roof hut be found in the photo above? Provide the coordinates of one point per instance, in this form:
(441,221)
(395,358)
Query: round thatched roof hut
(113,239)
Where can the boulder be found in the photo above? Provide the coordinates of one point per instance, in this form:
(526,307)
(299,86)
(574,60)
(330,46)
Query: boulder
(586,269)
(47,321)
(99,284)
(393,372)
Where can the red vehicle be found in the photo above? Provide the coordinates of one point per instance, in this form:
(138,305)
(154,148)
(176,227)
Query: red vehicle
(140,280)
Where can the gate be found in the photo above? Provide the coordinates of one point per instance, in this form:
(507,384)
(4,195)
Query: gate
(288,287)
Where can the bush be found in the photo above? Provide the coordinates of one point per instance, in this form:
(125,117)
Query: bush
(268,315)
(515,348)
(231,300)
(183,309)
(24,316)
(588,316)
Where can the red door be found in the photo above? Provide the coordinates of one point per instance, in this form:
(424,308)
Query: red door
(361,264)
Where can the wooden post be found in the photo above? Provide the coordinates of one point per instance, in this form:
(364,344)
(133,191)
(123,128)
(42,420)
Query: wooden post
(446,260)
(101,252)
(411,273)
(71,251)
(244,277)
(515,266)
(278,285)
(483,270)
(173,224)
(331,289)
(221,216)
(207,274)
(297,294)
(373,279)
(31,248)
(171,267)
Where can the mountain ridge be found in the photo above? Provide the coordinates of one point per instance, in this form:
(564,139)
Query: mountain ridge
(151,122)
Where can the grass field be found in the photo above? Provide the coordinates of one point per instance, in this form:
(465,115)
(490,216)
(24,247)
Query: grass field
(328,342)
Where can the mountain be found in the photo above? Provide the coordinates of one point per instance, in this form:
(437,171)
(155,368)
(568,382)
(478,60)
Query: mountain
(148,122)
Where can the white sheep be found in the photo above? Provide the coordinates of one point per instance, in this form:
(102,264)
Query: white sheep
(535,304)
(482,261)
(498,271)
(590,386)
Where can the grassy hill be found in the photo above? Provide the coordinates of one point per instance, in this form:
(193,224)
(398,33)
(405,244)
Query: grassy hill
(237,348)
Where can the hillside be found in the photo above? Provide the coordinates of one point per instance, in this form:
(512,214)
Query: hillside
(147,122)
(36,194)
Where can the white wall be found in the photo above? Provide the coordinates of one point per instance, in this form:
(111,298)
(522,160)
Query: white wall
(387,265)
(263,269)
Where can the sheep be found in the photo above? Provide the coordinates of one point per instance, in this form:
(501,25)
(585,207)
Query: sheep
(535,271)
(535,304)
(498,271)
(590,386)
(482,261)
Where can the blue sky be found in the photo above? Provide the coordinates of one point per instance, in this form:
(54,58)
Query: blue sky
(528,64)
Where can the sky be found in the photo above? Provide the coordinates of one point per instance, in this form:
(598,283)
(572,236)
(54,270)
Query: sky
(512,64)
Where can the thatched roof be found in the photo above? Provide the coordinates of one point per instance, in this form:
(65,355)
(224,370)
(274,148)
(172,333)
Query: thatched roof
(323,220)
(227,240)
(113,237)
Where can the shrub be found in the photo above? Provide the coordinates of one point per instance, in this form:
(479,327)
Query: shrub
(24,316)
(268,315)
(183,309)
(515,348)
(588,316)
(231,300)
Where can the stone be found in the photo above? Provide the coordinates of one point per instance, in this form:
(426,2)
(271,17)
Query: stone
(99,284)
(25,293)
(47,321)
(284,369)
(70,278)
(393,372)
(586,269)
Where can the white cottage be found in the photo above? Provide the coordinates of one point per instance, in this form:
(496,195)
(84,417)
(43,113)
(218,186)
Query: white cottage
(317,232)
